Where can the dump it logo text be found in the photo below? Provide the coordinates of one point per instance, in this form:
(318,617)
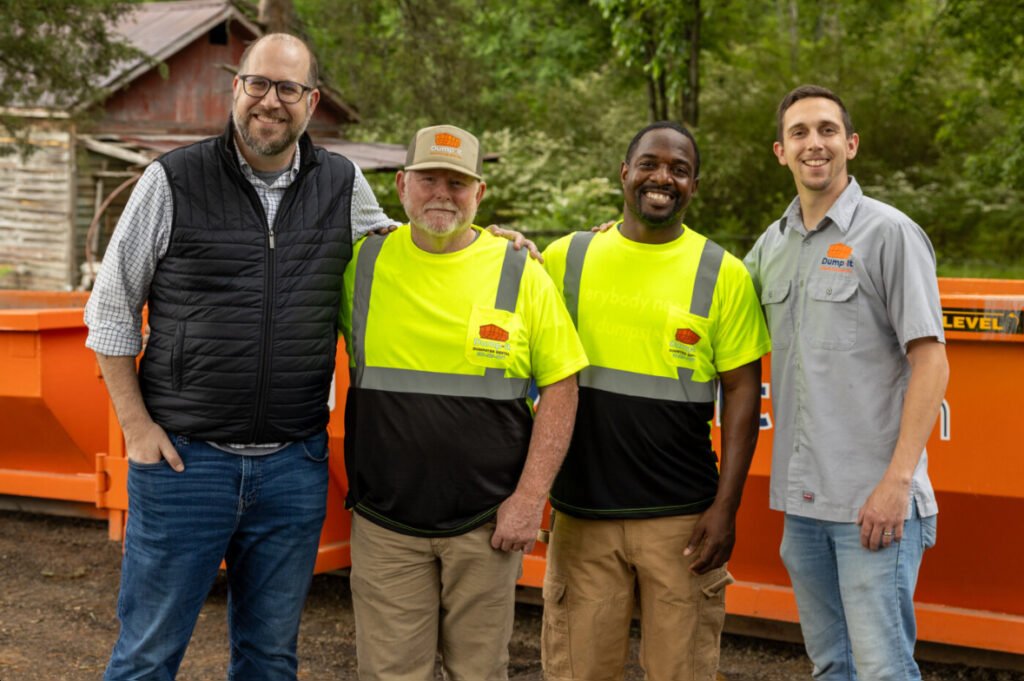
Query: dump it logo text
(446,144)
(839,258)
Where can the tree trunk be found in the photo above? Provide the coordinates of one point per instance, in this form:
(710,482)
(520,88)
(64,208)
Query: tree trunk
(794,37)
(692,102)
(652,99)
(655,84)
(663,98)
(276,15)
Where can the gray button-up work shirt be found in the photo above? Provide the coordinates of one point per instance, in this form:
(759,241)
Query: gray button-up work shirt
(842,302)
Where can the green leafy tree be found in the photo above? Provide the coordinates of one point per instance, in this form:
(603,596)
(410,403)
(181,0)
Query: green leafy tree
(53,53)
(986,120)
(663,39)
(558,89)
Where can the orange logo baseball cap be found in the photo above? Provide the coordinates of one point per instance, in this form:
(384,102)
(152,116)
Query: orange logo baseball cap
(839,251)
(447,147)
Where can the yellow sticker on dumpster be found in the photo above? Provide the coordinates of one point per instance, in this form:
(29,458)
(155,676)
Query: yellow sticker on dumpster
(982,321)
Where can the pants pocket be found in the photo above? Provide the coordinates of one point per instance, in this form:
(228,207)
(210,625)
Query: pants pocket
(929,531)
(316,447)
(554,637)
(710,621)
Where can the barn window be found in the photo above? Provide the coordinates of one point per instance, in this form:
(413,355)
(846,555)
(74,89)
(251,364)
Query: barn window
(219,34)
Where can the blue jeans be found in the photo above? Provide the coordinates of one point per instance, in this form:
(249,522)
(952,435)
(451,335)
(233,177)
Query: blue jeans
(856,606)
(261,514)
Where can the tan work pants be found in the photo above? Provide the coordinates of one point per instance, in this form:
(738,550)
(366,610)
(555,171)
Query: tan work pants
(594,568)
(415,596)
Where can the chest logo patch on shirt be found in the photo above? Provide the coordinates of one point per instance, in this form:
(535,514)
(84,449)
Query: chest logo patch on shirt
(681,347)
(838,258)
(492,343)
(495,338)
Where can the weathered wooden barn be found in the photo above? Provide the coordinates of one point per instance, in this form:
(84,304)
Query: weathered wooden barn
(81,172)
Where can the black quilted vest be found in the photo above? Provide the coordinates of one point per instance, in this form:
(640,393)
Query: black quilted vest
(243,320)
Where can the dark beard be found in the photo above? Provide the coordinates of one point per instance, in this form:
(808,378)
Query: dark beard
(670,220)
(265,147)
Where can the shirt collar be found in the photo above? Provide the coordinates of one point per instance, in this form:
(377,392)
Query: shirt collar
(251,175)
(841,212)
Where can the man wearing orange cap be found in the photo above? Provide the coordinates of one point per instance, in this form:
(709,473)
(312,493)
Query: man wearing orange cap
(448,469)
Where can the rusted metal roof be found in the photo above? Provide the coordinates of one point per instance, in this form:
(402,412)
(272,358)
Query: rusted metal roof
(161,29)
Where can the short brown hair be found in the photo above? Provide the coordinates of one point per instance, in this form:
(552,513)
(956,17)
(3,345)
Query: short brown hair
(806,92)
(313,76)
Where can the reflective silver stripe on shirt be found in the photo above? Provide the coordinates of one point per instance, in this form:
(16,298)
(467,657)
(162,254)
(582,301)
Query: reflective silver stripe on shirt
(511,274)
(452,385)
(361,301)
(508,292)
(685,389)
(492,385)
(642,385)
(578,246)
(707,277)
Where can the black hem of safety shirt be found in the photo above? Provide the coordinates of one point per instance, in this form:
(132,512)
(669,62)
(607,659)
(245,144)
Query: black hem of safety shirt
(631,513)
(389,524)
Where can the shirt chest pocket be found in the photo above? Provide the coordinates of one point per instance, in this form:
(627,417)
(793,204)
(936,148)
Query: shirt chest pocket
(778,312)
(831,319)
(495,338)
(686,343)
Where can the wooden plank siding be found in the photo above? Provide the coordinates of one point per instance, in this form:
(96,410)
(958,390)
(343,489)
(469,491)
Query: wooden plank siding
(96,173)
(36,198)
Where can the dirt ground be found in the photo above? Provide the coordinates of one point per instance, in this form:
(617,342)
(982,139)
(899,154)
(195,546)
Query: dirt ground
(58,592)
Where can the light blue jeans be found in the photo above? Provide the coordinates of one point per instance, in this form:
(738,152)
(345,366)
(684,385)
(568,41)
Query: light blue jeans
(856,606)
(262,514)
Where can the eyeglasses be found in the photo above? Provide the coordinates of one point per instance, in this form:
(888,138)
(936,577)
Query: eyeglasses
(288,91)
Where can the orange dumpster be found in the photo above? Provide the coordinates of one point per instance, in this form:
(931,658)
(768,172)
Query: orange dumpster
(59,441)
(970,590)
(53,405)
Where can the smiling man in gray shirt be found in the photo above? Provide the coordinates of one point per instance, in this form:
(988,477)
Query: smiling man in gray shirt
(859,369)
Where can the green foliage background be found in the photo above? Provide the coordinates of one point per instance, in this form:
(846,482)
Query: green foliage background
(558,89)
(935,87)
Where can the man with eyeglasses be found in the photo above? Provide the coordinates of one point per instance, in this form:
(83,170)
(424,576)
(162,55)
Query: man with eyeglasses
(238,243)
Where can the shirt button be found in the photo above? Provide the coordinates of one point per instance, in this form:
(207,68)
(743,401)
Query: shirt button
(828,292)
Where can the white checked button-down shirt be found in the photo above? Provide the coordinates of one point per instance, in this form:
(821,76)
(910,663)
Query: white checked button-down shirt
(114,311)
